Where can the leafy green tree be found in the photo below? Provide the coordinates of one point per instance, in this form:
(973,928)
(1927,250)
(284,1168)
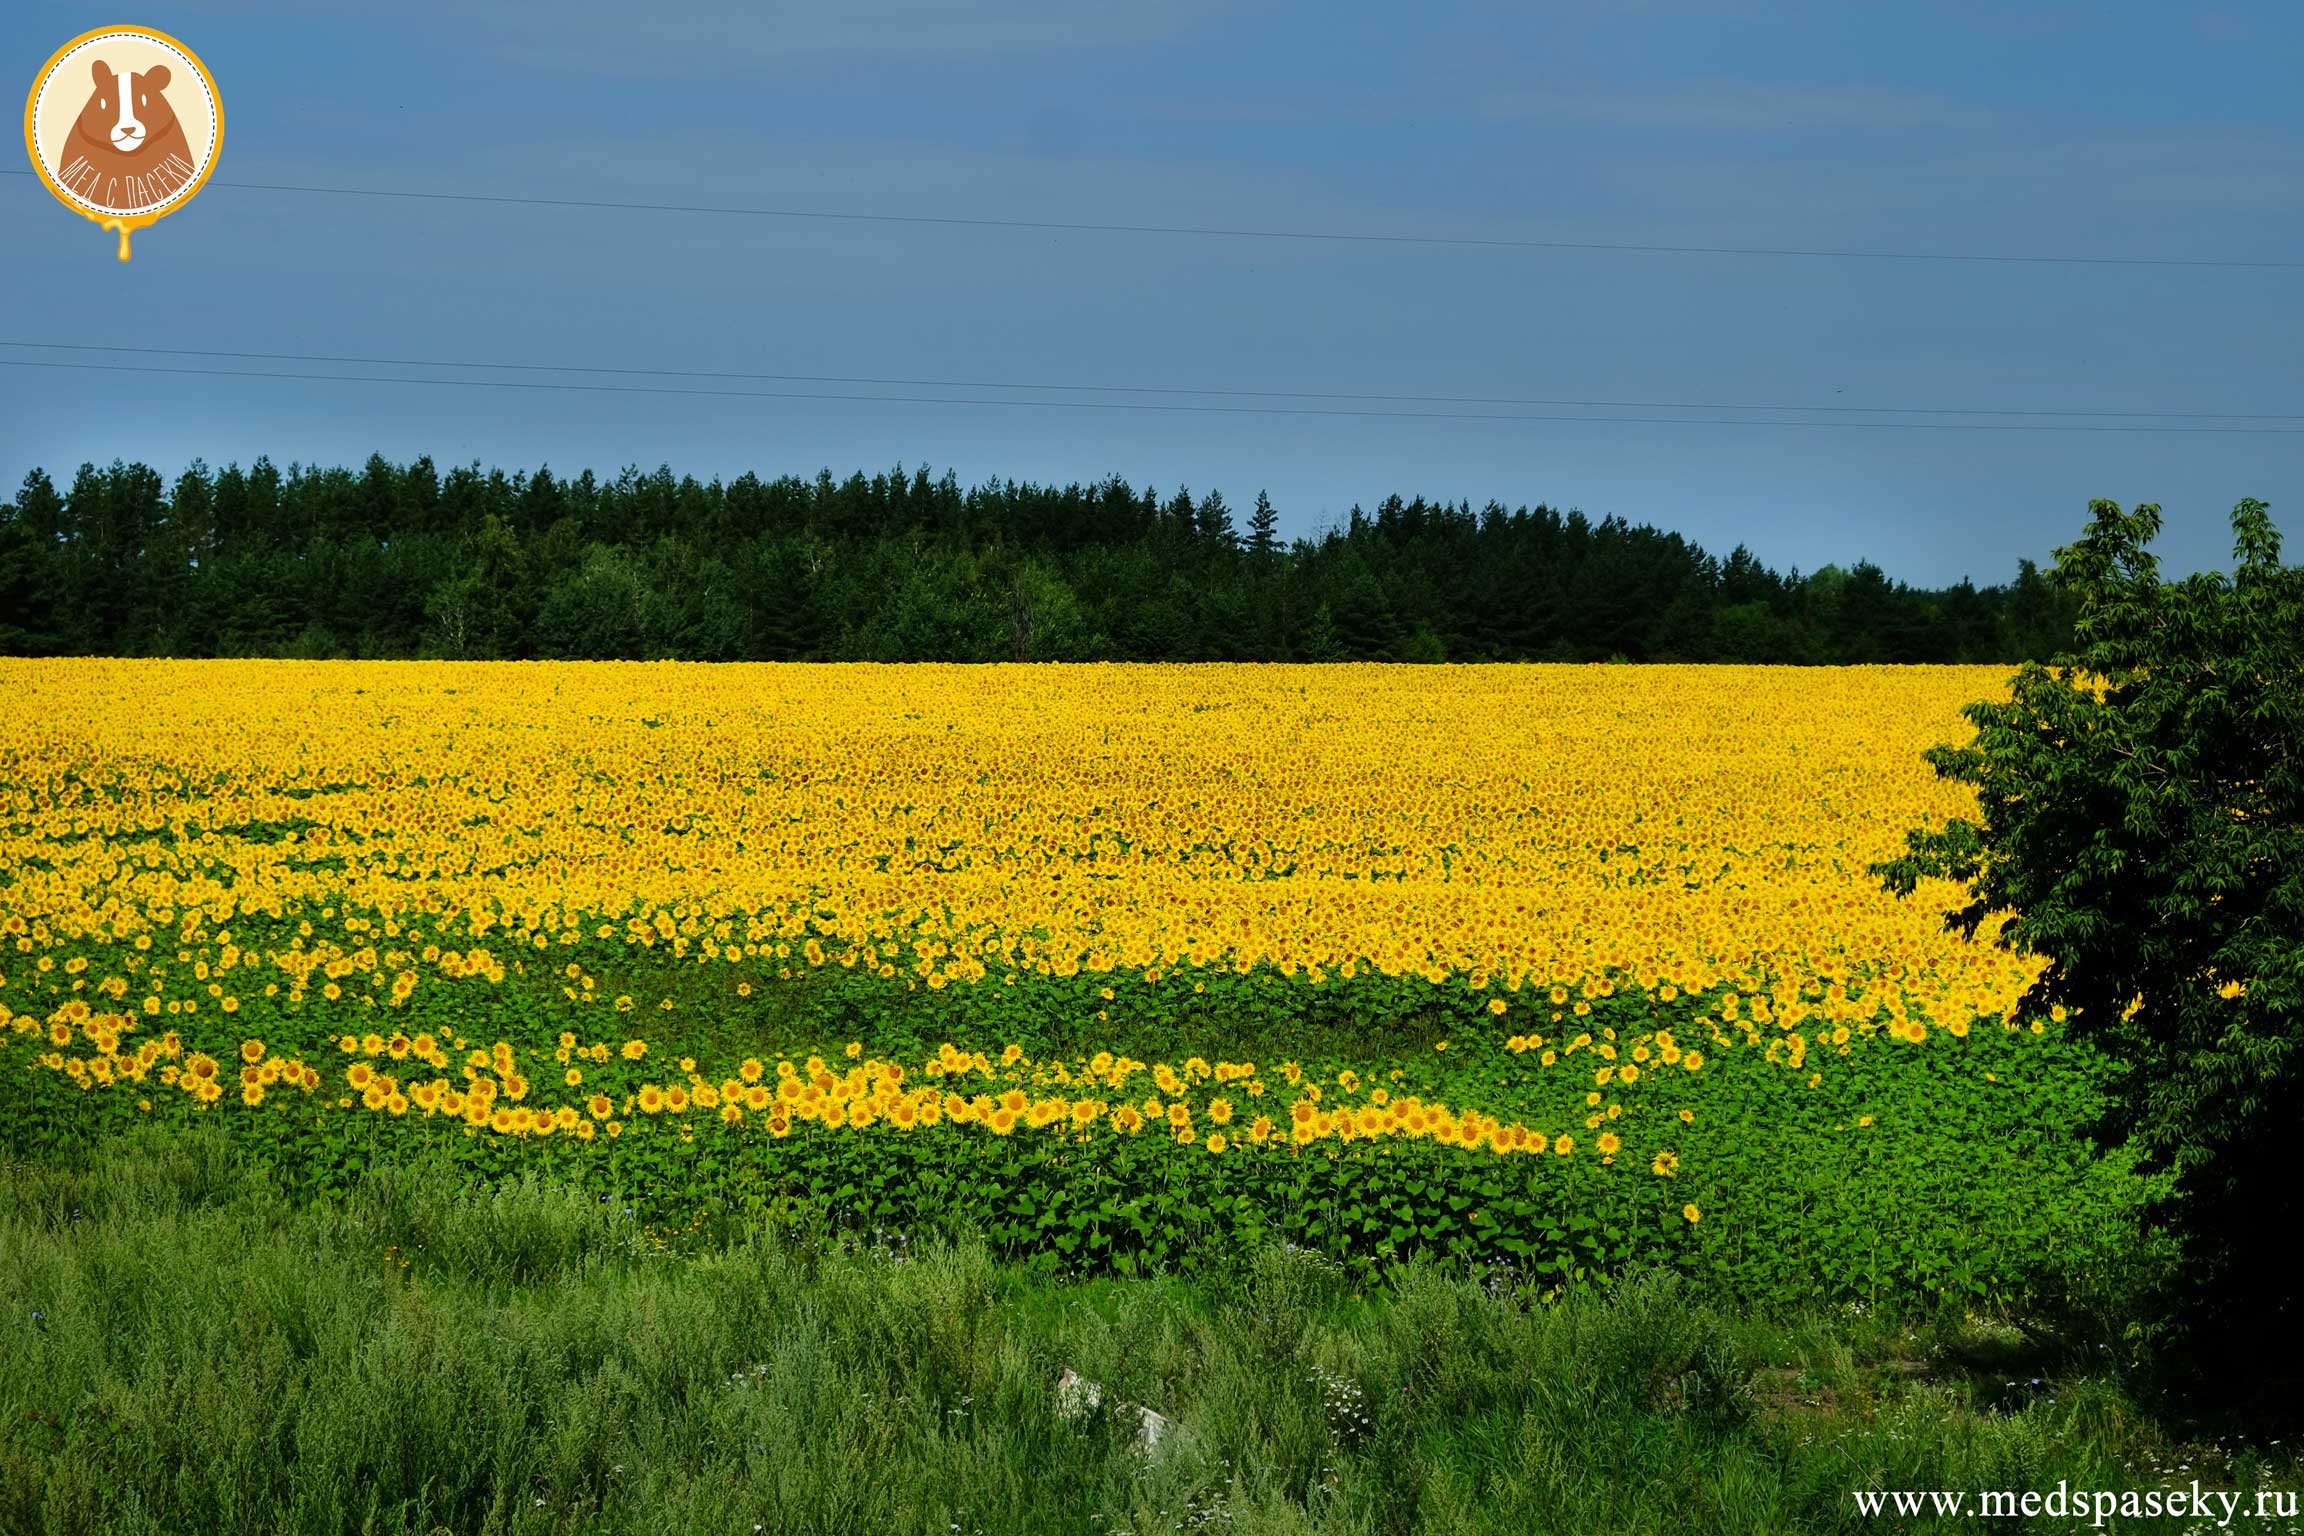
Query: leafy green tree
(1749,633)
(1160,629)
(1425,647)
(606,610)
(1044,619)
(1321,642)
(704,613)
(481,612)
(2141,812)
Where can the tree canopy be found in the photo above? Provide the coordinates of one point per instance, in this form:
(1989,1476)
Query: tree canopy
(395,560)
(2141,813)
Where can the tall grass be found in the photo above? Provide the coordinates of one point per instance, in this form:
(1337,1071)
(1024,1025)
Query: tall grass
(183,1349)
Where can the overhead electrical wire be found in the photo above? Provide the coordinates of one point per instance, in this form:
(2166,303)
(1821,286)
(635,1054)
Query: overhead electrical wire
(1119,405)
(1079,226)
(1145,389)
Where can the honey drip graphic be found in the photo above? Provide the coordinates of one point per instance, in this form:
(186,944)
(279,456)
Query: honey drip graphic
(123,159)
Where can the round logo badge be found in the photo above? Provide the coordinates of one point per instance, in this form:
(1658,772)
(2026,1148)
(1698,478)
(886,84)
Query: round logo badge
(123,124)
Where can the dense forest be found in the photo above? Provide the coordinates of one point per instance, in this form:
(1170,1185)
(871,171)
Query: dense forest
(400,561)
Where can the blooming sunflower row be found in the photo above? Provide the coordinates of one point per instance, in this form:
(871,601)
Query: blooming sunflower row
(370,831)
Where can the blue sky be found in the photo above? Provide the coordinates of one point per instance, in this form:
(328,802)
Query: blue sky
(2110,128)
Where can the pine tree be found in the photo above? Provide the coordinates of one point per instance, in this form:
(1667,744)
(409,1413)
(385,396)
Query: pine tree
(1215,521)
(29,529)
(1321,642)
(1263,528)
(322,559)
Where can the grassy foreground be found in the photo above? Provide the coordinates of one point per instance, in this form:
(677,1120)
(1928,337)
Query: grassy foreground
(189,1349)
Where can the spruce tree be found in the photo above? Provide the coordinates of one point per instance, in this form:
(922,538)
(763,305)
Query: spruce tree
(1263,528)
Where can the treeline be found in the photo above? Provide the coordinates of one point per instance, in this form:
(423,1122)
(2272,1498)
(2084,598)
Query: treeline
(401,560)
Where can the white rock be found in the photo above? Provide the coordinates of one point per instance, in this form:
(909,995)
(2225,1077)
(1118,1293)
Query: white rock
(1077,1398)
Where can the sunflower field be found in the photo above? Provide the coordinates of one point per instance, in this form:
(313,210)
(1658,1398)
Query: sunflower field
(1557,971)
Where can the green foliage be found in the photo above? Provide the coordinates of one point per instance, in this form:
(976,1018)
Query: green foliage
(2141,811)
(193,1345)
(397,561)
(1942,1172)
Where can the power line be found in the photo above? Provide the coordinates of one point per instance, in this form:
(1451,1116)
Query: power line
(1231,233)
(1116,405)
(1150,389)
